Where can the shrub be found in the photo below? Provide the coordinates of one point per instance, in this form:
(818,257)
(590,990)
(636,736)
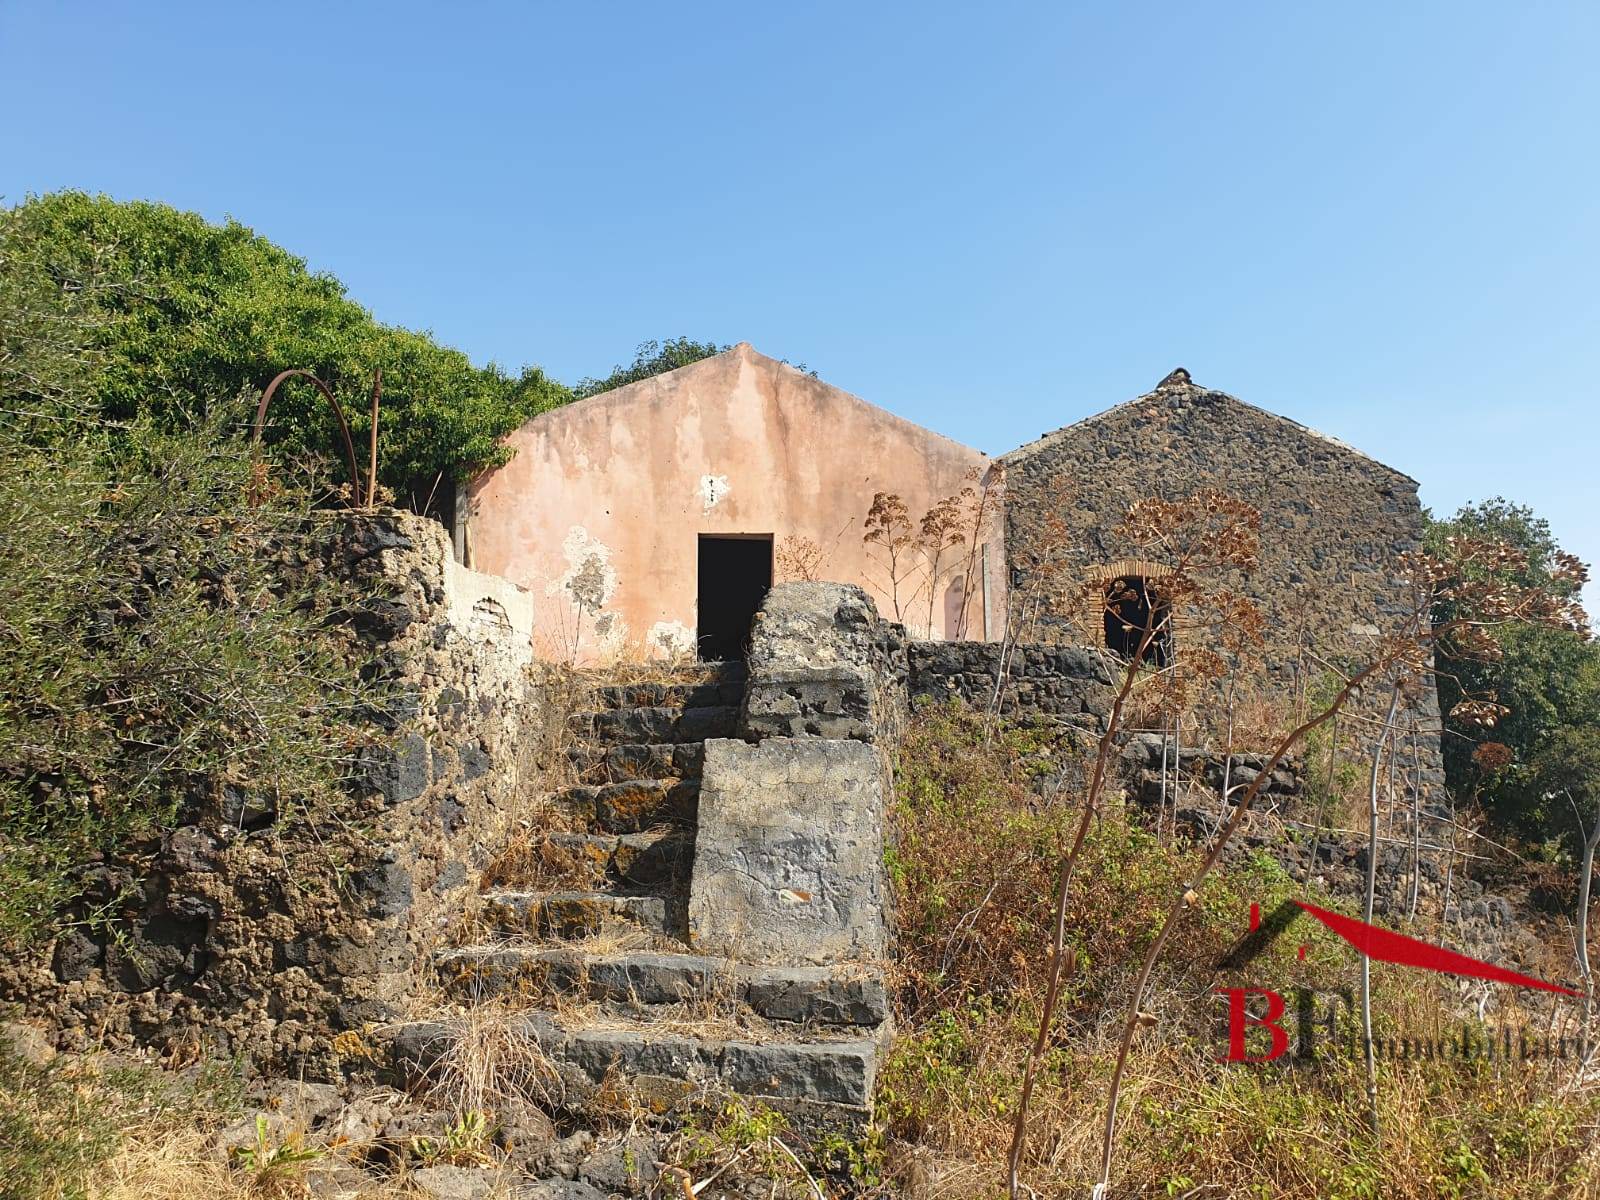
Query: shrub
(157,651)
(980,827)
(186,313)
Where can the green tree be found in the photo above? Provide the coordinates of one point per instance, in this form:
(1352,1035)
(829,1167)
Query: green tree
(187,314)
(651,358)
(155,651)
(1521,768)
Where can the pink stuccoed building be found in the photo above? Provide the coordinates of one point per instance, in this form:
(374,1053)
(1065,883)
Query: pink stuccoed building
(650,520)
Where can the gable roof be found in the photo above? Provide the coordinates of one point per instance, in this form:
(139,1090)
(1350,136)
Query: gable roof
(716,364)
(1179,385)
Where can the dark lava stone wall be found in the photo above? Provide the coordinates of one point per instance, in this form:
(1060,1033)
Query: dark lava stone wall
(1333,522)
(1062,683)
(268,932)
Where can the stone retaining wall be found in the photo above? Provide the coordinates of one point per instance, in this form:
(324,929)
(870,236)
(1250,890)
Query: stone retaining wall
(1061,682)
(266,929)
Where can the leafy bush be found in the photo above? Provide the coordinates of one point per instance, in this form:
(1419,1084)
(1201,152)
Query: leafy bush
(1520,769)
(187,313)
(651,358)
(157,653)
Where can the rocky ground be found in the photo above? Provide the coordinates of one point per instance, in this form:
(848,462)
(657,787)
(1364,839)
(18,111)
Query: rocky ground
(288,1138)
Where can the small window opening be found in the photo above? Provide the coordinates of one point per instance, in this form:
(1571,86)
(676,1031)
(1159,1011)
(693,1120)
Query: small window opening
(1134,606)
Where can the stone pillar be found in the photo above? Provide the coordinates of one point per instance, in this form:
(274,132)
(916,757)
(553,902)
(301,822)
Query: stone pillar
(788,862)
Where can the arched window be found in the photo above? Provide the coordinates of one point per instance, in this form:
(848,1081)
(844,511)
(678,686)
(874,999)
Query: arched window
(1133,607)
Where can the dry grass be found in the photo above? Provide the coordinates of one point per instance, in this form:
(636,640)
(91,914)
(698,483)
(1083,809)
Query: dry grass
(717,1014)
(524,856)
(528,860)
(104,1128)
(974,870)
(487,1059)
(634,669)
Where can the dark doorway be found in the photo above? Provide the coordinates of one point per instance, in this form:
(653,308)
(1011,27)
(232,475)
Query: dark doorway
(735,573)
(1133,607)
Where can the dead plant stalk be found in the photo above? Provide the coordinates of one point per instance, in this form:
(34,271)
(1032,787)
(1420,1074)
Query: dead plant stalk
(1164,524)
(1467,580)
(1369,895)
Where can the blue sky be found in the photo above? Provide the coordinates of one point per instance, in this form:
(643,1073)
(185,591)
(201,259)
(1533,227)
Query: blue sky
(1381,220)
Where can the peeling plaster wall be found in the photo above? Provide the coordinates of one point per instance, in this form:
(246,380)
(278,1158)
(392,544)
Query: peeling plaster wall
(598,512)
(477,600)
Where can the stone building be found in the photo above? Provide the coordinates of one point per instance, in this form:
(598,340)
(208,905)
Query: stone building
(654,517)
(1333,521)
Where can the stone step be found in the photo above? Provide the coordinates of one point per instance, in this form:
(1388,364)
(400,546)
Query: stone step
(849,996)
(647,860)
(616,726)
(665,1065)
(638,760)
(689,694)
(630,805)
(570,914)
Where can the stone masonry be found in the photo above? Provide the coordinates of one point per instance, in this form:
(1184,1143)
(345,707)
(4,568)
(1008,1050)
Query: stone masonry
(1064,683)
(1334,524)
(789,860)
(758,968)
(1333,521)
(267,931)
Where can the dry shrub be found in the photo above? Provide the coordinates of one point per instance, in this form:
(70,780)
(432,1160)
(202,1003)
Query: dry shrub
(799,558)
(526,858)
(544,768)
(981,828)
(978,843)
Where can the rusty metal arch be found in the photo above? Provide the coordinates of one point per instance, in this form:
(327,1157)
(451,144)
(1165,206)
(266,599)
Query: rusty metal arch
(344,427)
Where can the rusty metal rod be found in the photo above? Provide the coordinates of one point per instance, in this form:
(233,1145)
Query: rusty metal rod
(372,469)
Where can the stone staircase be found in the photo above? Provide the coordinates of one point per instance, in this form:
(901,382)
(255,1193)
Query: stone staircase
(603,968)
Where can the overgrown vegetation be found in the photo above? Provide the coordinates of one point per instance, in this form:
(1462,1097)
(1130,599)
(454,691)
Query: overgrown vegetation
(1543,755)
(651,358)
(981,831)
(187,315)
(78,1128)
(155,653)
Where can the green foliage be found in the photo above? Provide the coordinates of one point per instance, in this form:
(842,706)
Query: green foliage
(1548,678)
(272,1164)
(657,358)
(157,651)
(651,358)
(188,313)
(468,1142)
(157,654)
